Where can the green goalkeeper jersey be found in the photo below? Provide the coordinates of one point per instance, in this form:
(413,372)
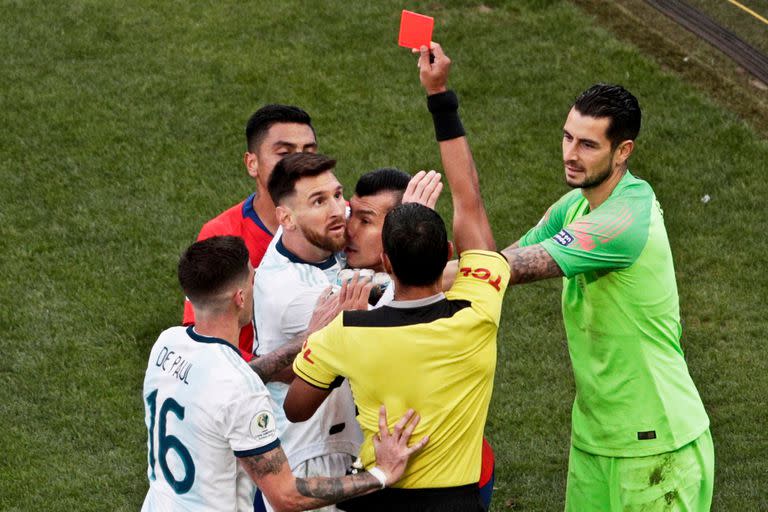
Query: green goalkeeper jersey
(634,396)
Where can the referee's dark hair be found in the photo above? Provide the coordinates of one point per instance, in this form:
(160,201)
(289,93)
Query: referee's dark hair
(209,266)
(416,243)
(615,103)
(386,179)
(282,182)
(262,120)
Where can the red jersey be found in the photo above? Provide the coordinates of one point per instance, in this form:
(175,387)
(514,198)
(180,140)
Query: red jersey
(240,220)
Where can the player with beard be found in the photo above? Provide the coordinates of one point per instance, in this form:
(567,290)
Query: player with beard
(271,133)
(297,268)
(640,436)
(425,347)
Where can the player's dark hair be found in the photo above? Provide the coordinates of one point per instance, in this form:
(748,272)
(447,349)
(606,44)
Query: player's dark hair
(416,243)
(615,103)
(262,120)
(209,266)
(282,182)
(386,179)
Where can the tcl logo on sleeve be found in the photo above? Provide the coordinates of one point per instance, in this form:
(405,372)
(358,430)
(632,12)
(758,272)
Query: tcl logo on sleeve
(483,274)
(306,352)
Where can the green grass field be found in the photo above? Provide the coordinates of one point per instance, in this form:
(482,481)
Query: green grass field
(122,133)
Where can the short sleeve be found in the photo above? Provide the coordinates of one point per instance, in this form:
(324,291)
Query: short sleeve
(249,424)
(551,222)
(317,361)
(612,237)
(482,279)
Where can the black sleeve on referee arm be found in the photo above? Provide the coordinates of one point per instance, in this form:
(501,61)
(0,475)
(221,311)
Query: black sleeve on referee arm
(444,107)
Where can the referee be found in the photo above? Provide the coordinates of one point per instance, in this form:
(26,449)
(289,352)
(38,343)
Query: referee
(427,350)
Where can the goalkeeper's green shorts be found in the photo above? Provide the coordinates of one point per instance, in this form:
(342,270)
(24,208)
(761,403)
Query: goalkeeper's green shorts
(681,480)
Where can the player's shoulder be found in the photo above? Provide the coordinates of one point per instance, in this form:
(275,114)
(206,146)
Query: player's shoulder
(225,368)
(480,274)
(172,335)
(560,208)
(634,187)
(568,199)
(483,255)
(633,198)
(227,222)
(276,274)
(290,275)
(176,330)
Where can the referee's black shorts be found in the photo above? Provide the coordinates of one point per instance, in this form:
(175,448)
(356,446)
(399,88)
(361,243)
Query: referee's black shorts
(465,498)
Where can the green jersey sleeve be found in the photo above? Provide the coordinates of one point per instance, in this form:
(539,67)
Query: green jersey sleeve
(609,238)
(552,221)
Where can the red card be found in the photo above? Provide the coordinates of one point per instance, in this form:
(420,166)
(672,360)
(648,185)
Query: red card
(415,30)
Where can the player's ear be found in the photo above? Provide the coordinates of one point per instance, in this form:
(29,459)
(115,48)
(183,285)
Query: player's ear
(239,298)
(251,162)
(386,263)
(623,150)
(285,217)
(450,251)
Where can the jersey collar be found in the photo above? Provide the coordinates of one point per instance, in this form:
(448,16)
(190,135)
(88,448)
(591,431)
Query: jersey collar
(209,339)
(323,265)
(417,303)
(250,213)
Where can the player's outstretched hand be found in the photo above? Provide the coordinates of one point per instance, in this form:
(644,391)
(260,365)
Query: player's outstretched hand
(391,448)
(354,293)
(424,188)
(326,309)
(434,75)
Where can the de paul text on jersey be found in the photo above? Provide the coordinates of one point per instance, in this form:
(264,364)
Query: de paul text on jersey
(173,364)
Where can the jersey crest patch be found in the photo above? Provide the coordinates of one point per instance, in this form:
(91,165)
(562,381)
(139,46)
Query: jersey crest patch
(563,238)
(263,425)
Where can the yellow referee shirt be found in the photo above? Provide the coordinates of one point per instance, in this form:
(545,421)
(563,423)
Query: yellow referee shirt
(436,355)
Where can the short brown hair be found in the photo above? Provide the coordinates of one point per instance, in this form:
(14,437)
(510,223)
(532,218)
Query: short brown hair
(291,169)
(207,267)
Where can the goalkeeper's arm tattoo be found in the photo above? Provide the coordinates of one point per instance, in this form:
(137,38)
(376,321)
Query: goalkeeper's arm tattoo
(530,263)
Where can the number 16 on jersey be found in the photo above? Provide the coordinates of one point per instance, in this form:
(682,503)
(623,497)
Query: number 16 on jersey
(166,443)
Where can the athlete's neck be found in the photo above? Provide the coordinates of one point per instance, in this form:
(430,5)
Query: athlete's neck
(265,209)
(406,292)
(224,327)
(295,242)
(599,194)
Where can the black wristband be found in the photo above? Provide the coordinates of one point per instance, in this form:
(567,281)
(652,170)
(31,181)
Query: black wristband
(444,107)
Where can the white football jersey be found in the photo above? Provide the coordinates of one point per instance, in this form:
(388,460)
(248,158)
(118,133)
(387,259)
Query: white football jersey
(204,407)
(386,297)
(286,289)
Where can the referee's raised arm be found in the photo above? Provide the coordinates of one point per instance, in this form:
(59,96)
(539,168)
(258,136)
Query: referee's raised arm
(471,229)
